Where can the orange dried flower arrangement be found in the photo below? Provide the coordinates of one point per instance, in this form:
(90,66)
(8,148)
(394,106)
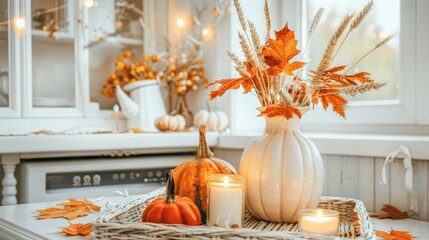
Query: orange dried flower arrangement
(128,71)
(183,72)
(279,82)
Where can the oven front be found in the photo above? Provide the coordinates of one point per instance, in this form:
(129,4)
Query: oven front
(60,179)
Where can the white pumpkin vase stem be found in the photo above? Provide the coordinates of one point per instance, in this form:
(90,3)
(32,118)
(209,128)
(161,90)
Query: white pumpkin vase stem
(283,170)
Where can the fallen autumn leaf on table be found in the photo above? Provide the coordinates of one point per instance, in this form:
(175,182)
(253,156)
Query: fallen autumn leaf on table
(72,209)
(78,229)
(394,235)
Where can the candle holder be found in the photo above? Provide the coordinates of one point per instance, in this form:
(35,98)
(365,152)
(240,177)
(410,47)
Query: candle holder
(319,221)
(226,194)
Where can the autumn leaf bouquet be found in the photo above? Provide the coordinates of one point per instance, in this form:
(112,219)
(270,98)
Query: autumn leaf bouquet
(128,71)
(273,72)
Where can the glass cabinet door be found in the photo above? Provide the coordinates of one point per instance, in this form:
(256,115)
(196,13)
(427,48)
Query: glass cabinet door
(114,26)
(9,85)
(52,78)
(4,56)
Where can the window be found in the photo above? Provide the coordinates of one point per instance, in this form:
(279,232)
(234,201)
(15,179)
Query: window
(401,103)
(383,64)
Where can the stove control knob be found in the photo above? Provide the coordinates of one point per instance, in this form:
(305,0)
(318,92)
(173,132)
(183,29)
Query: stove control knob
(123,176)
(150,174)
(115,176)
(96,179)
(158,173)
(87,180)
(76,181)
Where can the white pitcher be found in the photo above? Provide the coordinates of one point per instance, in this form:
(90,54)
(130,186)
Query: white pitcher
(144,106)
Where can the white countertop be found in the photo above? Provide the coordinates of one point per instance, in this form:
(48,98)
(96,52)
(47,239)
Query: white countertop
(97,142)
(18,222)
(375,145)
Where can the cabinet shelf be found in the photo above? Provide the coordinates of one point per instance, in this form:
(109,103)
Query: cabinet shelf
(118,39)
(60,37)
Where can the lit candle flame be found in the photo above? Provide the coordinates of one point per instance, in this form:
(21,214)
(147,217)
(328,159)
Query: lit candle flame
(180,22)
(319,213)
(225,181)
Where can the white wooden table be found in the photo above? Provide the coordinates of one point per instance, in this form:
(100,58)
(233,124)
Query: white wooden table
(18,222)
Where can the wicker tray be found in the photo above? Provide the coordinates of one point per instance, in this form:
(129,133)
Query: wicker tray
(125,223)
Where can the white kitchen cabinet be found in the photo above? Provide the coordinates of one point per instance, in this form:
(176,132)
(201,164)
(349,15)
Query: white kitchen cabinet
(55,67)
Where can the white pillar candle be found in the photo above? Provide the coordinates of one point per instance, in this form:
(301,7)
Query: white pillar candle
(225,200)
(319,221)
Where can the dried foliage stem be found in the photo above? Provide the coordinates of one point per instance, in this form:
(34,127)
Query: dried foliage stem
(248,53)
(267,19)
(240,14)
(250,47)
(355,90)
(313,27)
(380,44)
(327,56)
(356,22)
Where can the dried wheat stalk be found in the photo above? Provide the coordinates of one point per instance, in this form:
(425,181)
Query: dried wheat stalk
(239,66)
(356,22)
(361,15)
(267,19)
(361,88)
(240,14)
(328,55)
(315,22)
(380,44)
(245,47)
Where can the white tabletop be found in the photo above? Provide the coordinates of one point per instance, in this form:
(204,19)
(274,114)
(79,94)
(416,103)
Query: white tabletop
(19,222)
(416,228)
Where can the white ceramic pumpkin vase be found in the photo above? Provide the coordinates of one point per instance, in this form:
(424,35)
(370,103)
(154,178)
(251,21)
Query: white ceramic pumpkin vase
(283,170)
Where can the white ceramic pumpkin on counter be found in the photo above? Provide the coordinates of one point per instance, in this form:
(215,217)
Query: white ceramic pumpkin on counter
(214,120)
(174,123)
(283,170)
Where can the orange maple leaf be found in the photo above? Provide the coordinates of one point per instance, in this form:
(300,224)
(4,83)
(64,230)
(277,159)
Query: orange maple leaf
(330,97)
(394,235)
(235,83)
(78,229)
(280,51)
(332,78)
(71,210)
(280,111)
(228,84)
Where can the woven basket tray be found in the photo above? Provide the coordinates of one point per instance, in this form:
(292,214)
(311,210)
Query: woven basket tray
(125,223)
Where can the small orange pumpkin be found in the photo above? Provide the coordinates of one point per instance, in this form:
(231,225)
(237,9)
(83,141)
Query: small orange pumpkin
(191,177)
(172,209)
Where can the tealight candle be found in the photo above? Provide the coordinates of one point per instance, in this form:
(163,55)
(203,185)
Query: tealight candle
(319,221)
(225,200)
